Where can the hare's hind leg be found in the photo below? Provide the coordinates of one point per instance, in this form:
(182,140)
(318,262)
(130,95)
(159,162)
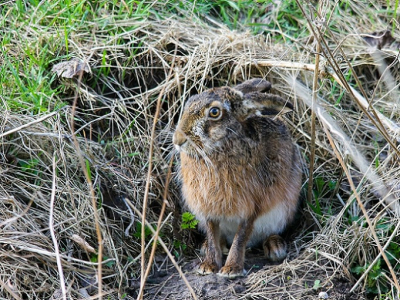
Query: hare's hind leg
(213,255)
(234,265)
(275,248)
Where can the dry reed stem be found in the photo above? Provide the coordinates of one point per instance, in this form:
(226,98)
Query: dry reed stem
(363,103)
(392,126)
(53,236)
(365,107)
(39,120)
(314,99)
(92,193)
(147,187)
(153,250)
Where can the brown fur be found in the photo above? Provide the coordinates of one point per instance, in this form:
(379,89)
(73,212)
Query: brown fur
(236,168)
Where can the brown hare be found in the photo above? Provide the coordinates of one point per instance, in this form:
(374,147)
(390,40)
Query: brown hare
(240,172)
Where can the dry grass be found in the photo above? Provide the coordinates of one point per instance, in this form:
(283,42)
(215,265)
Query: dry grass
(356,171)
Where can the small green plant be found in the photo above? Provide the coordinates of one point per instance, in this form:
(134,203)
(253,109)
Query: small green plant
(89,172)
(30,165)
(317,284)
(322,188)
(147,231)
(188,221)
(376,282)
(94,259)
(179,247)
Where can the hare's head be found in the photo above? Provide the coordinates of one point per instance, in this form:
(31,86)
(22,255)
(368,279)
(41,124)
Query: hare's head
(213,120)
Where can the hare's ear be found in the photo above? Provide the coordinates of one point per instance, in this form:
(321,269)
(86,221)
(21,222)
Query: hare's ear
(254,85)
(261,104)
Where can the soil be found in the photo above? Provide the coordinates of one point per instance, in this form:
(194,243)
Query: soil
(165,283)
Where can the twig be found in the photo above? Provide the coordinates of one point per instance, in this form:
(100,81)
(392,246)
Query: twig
(364,103)
(285,64)
(5,3)
(312,146)
(150,166)
(94,121)
(53,236)
(153,250)
(171,257)
(357,157)
(28,124)
(92,194)
(40,251)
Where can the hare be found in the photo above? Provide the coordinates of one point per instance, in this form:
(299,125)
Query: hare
(240,172)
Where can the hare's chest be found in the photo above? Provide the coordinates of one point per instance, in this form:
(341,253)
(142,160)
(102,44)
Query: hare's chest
(216,192)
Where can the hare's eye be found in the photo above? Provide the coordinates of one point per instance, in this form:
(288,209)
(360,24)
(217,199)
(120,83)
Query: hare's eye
(214,112)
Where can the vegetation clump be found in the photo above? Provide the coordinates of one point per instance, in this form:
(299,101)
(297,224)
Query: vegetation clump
(87,164)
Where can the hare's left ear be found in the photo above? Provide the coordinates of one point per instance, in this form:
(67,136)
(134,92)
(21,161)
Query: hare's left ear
(254,85)
(261,104)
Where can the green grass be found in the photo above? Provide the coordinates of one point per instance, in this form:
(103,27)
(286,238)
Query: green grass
(37,34)
(267,17)
(27,83)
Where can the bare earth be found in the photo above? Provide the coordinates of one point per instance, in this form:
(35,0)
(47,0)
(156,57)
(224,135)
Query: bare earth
(167,284)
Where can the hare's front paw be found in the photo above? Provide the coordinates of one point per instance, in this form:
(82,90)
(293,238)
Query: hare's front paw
(232,271)
(275,248)
(207,267)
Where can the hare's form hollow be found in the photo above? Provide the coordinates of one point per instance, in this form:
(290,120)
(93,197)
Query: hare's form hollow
(240,171)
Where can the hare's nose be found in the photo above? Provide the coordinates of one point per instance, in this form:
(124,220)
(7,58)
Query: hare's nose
(179,139)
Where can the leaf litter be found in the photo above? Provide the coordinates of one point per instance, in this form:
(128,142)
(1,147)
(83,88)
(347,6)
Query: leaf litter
(71,68)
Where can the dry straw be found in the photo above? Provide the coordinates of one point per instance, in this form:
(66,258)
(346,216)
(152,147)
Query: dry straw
(53,165)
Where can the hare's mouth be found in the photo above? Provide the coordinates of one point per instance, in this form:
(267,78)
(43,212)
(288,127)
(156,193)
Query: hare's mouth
(185,148)
(190,149)
(181,147)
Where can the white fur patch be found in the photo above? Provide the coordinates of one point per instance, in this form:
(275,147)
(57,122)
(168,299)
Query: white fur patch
(249,104)
(238,93)
(198,128)
(273,222)
(227,106)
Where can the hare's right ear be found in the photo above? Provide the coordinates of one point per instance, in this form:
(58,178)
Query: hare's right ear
(254,85)
(265,105)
